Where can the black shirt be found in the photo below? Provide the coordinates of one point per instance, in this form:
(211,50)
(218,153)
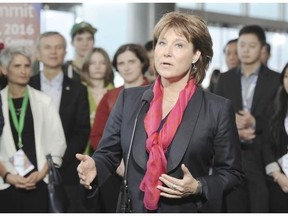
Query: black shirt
(28,136)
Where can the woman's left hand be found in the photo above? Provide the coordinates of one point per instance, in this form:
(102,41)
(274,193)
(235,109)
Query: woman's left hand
(178,188)
(33,178)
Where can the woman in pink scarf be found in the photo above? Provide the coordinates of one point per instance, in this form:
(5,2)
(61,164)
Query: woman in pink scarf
(181,135)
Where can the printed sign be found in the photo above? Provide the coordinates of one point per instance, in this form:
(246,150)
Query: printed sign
(20,23)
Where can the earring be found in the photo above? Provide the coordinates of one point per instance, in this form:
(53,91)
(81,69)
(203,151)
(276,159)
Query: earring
(193,68)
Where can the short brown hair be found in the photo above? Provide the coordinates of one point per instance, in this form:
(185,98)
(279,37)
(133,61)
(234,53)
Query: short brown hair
(195,30)
(138,50)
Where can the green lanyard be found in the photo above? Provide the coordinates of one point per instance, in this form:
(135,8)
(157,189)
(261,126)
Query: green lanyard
(19,125)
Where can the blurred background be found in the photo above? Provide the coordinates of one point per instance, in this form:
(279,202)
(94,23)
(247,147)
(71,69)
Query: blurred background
(120,23)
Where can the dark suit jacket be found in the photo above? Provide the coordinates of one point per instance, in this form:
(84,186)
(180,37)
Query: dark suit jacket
(255,191)
(229,86)
(103,111)
(74,114)
(207,131)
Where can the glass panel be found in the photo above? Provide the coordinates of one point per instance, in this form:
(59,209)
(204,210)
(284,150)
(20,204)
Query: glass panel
(279,44)
(50,22)
(104,16)
(220,36)
(265,11)
(286,12)
(187,5)
(227,8)
(111,20)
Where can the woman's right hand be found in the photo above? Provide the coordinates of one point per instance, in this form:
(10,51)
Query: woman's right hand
(86,170)
(20,182)
(121,169)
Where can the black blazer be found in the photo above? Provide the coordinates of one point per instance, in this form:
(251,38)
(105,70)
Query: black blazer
(208,131)
(229,86)
(74,114)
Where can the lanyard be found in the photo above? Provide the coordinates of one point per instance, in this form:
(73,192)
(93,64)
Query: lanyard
(19,125)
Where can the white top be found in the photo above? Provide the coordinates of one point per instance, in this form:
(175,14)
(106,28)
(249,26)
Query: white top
(48,130)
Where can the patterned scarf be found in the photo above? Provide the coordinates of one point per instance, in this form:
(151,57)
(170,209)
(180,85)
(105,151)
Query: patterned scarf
(158,142)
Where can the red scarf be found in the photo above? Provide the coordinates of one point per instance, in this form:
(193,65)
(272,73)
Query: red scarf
(158,143)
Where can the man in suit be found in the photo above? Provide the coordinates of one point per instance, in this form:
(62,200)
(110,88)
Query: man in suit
(251,87)
(70,98)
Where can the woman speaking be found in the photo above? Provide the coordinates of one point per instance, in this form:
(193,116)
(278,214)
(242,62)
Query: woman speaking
(181,135)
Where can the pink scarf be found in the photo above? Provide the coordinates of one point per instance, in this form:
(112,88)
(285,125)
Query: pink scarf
(158,143)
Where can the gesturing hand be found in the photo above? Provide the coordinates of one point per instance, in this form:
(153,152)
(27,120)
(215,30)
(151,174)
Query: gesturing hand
(178,188)
(86,170)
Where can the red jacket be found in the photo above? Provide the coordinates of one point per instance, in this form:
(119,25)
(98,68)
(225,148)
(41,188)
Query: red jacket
(103,110)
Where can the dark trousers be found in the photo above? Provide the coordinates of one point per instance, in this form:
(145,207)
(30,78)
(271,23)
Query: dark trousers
(103,199)
(253,195)
(108,195)
(13,200)
(278,199)
(237,201)
(75,199)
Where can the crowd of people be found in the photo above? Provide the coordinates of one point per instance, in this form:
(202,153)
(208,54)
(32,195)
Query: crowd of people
(159,143)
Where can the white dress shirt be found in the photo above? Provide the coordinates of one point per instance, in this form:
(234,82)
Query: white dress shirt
(53,87)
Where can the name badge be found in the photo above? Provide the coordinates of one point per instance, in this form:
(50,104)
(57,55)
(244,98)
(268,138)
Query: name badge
(21,163)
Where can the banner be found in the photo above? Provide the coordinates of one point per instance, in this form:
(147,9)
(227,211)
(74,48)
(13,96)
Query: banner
(20,23)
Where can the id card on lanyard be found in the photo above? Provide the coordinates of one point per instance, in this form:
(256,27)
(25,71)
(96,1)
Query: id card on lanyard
(20,160)
(21,163)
